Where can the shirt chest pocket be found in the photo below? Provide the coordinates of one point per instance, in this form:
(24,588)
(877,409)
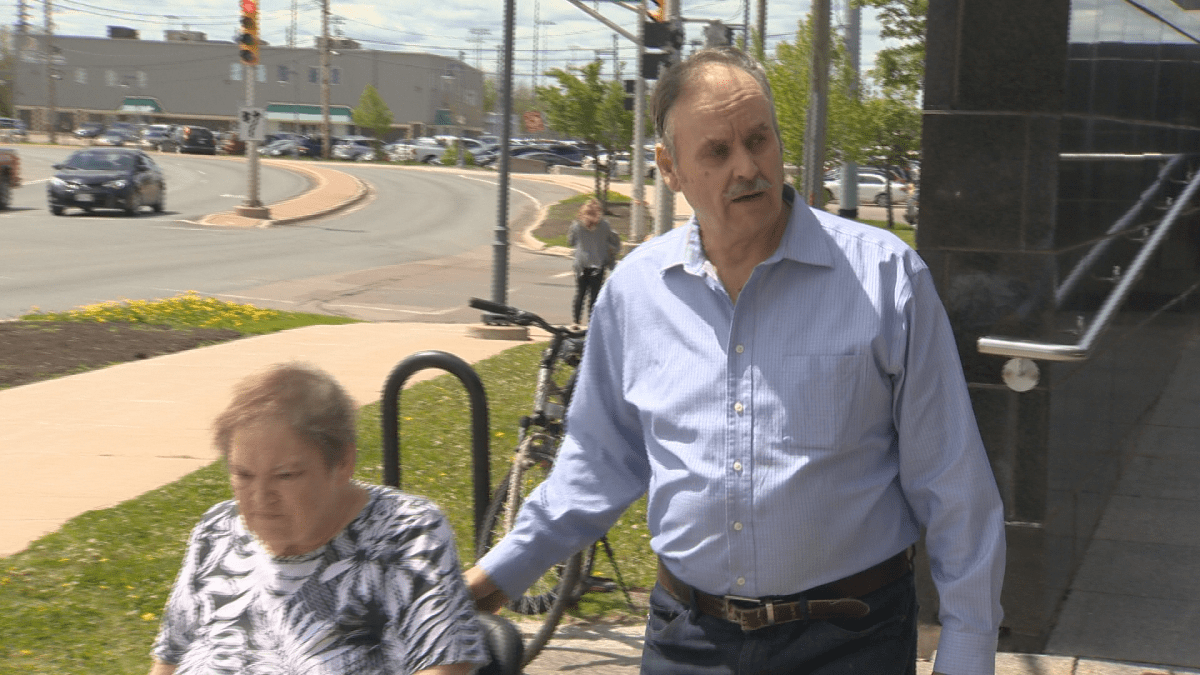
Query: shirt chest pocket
(816,399)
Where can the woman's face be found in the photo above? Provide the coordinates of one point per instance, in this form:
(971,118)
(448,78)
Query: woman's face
(290,500)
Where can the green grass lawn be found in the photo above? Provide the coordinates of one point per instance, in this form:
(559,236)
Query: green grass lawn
(88,598)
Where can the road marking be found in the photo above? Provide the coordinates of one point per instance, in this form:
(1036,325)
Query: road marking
(563,274)
(432,312)
(535,200)
(235,196)
(38,180)
(226,295)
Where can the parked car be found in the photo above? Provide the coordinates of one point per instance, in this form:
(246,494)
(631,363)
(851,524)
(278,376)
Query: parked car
(155,135)
(192,139)
(10,175)
(115,137)
(913,205)
(284,147)
(355,148)
(89,130)
(550,158)
(871,190)
(428,150)
(12,128)
(107,178)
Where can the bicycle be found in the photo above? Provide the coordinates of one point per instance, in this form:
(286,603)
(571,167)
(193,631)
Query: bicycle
(538,437)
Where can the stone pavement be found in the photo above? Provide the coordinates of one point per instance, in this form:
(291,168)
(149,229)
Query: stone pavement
(92,440)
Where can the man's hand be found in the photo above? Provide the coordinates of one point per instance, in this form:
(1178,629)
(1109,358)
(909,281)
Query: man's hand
(488,598)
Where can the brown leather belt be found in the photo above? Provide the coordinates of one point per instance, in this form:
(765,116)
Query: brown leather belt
(835,600)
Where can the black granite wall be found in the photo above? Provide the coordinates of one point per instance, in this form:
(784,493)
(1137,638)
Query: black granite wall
(1015,93)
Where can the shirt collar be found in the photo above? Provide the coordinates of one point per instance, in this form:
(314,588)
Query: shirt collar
(804,241)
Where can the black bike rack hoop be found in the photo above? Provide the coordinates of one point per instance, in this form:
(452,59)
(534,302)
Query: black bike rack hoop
(390,414)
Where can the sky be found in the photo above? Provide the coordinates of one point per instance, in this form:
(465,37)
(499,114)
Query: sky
(566,35)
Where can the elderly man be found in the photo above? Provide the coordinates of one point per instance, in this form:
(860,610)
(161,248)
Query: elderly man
(785,385)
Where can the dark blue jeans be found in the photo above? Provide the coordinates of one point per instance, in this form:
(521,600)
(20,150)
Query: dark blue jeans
(682,641)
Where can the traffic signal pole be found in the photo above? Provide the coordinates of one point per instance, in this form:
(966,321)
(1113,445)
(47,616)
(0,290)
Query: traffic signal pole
(248,51)
(664,217)
(638,156)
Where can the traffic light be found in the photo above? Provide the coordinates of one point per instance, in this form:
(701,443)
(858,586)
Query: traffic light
(651,62)
(248,37)
(663,35)
(630,93)
(717,34)
(660,14)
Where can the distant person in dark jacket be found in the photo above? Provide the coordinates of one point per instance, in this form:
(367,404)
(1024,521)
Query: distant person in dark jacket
(596,247)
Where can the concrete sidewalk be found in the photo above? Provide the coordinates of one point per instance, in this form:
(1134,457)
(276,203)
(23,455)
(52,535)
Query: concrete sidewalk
(92,440)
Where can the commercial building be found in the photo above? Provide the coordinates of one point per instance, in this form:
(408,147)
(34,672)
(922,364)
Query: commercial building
(188,79)
(1060,218)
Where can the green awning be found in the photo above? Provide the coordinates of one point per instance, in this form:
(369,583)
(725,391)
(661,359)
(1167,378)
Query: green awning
(144,104)
(303,112)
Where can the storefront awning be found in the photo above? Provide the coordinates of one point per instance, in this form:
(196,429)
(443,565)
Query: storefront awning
(143,104)
(303,112)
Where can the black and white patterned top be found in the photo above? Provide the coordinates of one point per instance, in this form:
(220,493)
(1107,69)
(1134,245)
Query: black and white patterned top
(386,595)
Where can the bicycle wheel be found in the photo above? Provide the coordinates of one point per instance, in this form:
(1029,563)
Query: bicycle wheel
(546,597)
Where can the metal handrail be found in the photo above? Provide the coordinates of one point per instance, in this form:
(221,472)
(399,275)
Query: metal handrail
(1081,350)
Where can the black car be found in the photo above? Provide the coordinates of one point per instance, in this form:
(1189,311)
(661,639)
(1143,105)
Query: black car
(190,139)
(107,178)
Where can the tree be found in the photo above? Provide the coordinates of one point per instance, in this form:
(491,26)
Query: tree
(847,136)
(590,109)
(900,70)
(8,64)
(896,130)
(372,113)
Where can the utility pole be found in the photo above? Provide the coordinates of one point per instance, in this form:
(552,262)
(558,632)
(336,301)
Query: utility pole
(616,59)
(477,38)
(848,204)
(325,132)
(18,47)
(51,104)
(500,244)
(291,32)
(638,155)
(746,26)
(814,130)
(664,217)
(761,48)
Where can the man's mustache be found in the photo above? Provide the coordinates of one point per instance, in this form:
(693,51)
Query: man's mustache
(747,187)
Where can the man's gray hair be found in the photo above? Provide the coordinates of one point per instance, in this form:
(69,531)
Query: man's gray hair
(676,78)
(305,398)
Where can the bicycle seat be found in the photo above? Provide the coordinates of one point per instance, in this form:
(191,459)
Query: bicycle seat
(504,645)
(572,351)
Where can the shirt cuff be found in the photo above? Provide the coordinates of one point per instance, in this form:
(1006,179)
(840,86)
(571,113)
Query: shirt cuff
(511,572)
(966,653)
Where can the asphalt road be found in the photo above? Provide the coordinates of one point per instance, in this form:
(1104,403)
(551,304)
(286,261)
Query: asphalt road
(415,250)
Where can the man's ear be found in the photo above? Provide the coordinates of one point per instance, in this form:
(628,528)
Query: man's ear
(666,166)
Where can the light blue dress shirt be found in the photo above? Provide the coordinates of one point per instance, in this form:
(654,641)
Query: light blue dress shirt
(802,435)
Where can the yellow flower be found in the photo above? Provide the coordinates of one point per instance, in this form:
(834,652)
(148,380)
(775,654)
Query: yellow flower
(148,616)
(25,652)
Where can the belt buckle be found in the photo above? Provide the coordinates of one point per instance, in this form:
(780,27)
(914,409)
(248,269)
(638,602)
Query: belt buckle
(735,614)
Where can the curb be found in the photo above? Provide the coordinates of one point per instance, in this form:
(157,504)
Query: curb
(362,192)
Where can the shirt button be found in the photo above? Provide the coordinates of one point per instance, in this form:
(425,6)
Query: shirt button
(741,581)
(737,526)
(738,407)
(737,466)
(739,349)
